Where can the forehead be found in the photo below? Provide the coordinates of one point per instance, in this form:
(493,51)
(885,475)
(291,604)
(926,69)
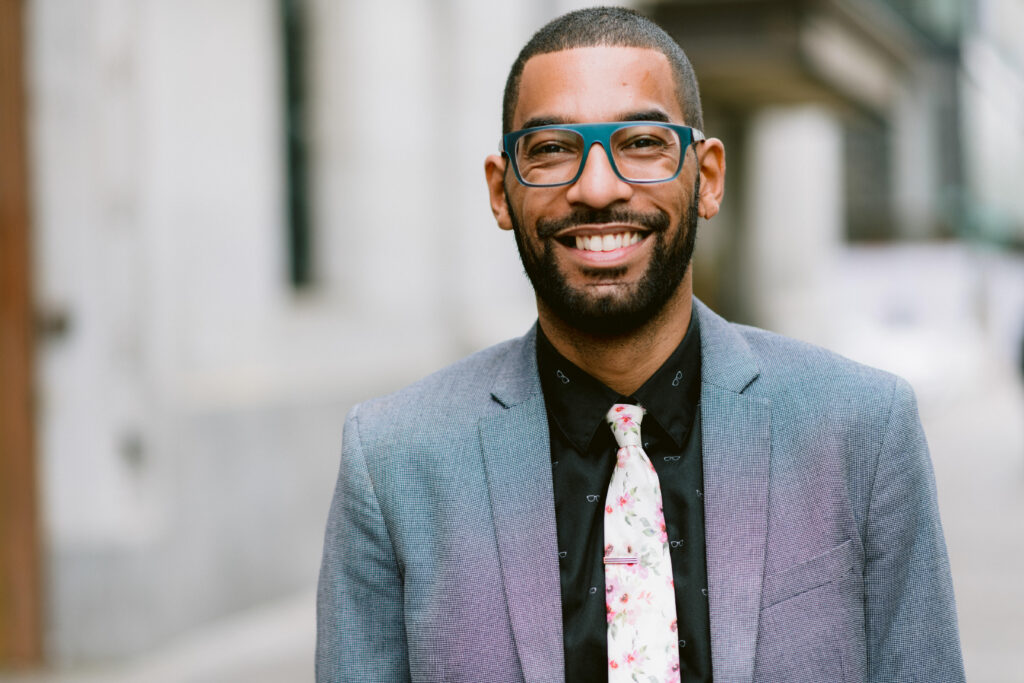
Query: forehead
(602,83)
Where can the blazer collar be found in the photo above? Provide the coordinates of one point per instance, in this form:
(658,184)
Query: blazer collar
(736,444)
(516,380)
(726,359)
(517,461)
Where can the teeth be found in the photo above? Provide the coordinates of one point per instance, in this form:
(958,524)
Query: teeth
(607,242)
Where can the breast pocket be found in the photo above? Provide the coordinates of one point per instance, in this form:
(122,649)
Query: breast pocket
(812,620)
(828,567)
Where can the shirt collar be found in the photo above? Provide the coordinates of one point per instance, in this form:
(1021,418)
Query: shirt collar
(577,402)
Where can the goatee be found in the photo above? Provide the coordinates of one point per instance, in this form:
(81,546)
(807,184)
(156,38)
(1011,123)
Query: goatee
(610,315)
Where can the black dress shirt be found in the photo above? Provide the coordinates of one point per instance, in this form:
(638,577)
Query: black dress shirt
(582,458)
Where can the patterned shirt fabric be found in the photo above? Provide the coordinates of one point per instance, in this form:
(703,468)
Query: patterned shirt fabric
(583,454)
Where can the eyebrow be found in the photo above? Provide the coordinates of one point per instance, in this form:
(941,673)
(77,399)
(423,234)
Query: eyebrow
(644,115)
(647,115)
(538,121)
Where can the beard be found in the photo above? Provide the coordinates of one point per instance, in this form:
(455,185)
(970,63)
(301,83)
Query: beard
(610,315)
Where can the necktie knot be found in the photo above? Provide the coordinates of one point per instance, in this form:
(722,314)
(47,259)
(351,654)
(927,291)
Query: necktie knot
(624,419)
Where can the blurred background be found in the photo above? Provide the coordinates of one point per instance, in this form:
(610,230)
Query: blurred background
(225,221)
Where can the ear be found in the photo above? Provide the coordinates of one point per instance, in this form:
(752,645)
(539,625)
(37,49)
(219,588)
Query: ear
(711,161)
(494,170)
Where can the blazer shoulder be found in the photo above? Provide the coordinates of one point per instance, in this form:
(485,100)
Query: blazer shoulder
(458,393)
(796,368)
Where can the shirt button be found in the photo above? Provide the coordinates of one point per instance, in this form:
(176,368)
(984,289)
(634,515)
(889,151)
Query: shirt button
(593,589)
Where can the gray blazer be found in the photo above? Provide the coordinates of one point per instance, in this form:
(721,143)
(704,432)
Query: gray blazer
(825,556)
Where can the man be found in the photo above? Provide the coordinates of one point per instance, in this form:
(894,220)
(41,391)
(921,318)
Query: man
(481,530)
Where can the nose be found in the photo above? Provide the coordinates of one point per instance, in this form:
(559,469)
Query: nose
(598,186)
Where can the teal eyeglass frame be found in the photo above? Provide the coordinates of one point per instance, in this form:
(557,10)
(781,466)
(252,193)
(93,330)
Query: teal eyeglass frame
(601,133)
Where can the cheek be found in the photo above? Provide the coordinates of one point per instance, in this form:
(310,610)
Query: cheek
(540,203)
(674,198)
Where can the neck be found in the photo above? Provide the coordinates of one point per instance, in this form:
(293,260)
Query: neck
(624,362)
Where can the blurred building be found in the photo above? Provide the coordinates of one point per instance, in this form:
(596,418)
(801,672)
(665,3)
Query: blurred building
(247,215)
(851,123)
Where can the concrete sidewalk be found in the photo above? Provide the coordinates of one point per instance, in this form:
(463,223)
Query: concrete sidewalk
(269,644)
(977,444)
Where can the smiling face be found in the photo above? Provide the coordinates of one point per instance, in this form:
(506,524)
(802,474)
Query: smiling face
(605,256)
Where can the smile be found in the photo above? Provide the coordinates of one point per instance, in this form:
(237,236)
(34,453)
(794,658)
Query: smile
(609,242)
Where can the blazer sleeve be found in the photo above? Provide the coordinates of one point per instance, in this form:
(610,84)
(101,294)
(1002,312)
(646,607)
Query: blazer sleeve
(911,622)
(360,624)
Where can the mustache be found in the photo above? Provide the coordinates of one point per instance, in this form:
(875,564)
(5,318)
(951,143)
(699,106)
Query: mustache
(656,221)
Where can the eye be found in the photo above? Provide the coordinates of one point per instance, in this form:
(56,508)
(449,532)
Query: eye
(645,140)
(548,144)
(548,147)
(640,142)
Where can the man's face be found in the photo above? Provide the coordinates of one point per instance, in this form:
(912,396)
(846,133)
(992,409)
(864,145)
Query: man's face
(645,232)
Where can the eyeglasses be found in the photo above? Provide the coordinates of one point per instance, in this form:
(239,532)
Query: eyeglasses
(638,151)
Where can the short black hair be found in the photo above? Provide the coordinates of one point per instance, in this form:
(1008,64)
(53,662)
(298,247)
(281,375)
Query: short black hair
(612,26)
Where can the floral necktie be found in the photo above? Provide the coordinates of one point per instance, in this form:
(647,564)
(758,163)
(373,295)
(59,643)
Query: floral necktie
(643,644)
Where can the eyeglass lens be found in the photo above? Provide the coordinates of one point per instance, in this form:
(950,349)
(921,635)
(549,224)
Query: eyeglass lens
(643,152)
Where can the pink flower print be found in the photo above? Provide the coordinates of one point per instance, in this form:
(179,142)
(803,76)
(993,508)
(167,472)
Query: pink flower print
(674,626)
(610,612)
(609,509)
(626,423)
(619,408)
(624,500)
(624,598)
(613,664)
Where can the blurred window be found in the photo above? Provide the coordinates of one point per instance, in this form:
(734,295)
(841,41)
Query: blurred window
(293,39)
(868,180)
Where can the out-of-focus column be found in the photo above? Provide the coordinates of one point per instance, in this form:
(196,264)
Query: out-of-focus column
(794,217)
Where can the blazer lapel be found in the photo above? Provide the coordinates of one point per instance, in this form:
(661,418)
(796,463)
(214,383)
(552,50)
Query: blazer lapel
(517,460)
(736,433)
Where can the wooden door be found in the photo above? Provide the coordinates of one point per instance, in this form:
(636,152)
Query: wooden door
(20,612)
